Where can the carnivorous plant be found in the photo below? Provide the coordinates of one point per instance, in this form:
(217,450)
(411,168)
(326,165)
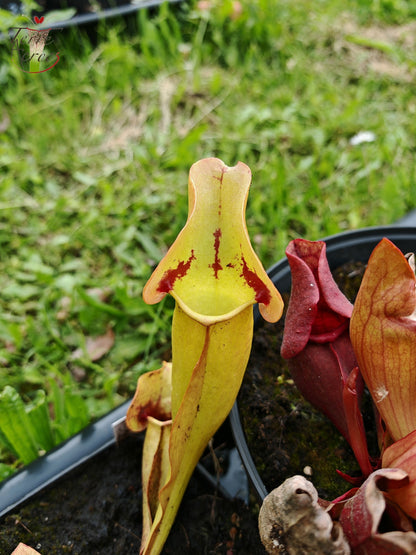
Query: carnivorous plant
(215,278)
(330,345)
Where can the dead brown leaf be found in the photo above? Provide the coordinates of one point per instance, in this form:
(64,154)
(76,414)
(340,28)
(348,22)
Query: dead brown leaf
(96,347)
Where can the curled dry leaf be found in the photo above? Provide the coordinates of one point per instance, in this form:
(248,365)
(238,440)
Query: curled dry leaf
(292,521)
(23,549)
(362,515)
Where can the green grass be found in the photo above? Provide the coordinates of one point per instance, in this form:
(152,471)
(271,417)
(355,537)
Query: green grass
(94,157)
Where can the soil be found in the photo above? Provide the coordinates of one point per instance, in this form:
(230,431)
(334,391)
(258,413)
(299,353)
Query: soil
(96,510)
(285,434)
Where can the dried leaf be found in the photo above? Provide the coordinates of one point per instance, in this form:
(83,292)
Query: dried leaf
(291,519)
(96,347)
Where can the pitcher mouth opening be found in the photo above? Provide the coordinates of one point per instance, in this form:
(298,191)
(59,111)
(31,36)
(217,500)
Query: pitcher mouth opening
(204,310)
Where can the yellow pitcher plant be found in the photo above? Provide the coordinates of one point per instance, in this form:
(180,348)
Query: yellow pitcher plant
(215,277)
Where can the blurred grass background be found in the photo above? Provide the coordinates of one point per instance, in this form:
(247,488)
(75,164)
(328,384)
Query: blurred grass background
(94,158)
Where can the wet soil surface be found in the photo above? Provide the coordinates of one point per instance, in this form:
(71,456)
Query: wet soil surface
(96,509)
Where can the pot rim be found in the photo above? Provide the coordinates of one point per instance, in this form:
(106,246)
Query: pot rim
(338,251)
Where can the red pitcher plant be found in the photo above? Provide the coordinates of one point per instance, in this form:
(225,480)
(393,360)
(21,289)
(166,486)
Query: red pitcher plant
(333,349)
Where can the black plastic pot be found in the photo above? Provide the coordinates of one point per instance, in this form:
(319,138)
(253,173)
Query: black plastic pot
(122,9)
(344,247)
(85,14)
(98,437)
(56,463)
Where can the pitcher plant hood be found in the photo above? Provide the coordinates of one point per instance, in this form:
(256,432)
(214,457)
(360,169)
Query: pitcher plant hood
(383,335)
(211,269)
(317,310)
(317,346)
